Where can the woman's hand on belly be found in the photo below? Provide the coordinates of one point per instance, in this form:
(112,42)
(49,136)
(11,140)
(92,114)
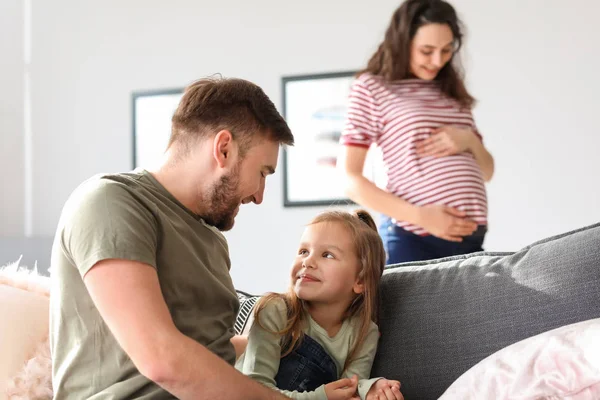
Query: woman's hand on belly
(446,141)
(450,140)
(445,222)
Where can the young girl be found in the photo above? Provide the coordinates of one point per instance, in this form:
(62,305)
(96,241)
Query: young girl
(318,341)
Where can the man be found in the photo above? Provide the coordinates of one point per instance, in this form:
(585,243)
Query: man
(142,303)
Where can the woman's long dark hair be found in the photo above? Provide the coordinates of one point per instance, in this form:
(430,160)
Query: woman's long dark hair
(392,59)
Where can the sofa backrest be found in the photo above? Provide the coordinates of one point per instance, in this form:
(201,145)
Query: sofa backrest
(440,318)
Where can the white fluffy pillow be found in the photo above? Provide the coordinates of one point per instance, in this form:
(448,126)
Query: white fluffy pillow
(25,368)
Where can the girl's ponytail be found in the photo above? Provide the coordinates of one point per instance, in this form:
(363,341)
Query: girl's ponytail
(365,217)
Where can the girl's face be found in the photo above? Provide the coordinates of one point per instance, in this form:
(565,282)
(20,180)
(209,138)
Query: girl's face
(326,267)
(430,50)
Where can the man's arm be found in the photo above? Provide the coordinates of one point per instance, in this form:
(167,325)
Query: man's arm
(128,297)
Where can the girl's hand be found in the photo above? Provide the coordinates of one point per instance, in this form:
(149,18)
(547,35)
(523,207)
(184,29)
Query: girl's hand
(239,344)
(343,389)
(446,141)
(385,389)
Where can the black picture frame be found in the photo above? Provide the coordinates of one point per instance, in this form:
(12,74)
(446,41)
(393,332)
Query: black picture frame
(327,80)
(139,117)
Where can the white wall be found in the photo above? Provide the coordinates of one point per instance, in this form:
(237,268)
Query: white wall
(11,118)
(532,68)
(535,70)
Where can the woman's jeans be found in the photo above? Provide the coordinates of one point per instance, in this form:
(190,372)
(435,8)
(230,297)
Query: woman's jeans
(306,368)
(403,246)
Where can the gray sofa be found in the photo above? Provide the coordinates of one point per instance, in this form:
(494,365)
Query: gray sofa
(439,318)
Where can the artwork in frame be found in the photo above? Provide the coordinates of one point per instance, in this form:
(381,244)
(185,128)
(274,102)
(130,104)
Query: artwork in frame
(315,108)
(152,112)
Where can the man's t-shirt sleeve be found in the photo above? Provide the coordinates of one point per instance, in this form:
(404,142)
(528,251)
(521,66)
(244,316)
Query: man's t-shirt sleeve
(104,220)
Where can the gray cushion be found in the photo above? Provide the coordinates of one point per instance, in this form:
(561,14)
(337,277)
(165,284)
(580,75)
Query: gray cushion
(439,318)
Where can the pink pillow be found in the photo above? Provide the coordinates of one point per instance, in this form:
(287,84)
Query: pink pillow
(563,363)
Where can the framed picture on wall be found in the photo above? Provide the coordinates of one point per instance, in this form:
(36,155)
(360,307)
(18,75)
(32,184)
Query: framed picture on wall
(152,112)
(315,107)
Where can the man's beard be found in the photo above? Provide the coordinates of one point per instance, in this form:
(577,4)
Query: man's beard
(224,200)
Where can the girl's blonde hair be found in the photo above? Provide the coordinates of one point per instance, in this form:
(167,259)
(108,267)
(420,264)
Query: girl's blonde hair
(371,258)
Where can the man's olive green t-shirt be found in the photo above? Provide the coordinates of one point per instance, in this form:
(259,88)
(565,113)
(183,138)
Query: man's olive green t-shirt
(131,216)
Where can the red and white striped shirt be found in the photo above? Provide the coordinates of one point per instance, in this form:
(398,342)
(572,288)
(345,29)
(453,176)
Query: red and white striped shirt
(396,116)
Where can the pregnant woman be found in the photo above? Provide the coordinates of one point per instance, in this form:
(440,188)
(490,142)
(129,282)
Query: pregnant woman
(412,102)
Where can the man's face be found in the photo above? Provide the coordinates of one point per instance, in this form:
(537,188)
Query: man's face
(243,184)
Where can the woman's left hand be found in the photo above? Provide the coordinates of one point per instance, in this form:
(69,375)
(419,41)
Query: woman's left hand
(385,389)
(446,141)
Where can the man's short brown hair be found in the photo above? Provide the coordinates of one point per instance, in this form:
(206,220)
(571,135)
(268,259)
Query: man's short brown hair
(213,104)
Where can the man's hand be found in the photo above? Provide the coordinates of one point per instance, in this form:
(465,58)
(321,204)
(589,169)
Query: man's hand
(385,389)
(343,389)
